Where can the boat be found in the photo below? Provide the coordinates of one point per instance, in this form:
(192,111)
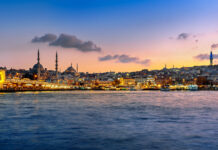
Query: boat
(88,88)
(165,88)
(193,87)
(132,89)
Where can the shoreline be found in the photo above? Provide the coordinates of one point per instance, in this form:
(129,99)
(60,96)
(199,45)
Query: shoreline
(50,90)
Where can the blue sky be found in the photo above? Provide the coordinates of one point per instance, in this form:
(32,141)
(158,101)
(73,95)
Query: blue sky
(130,27)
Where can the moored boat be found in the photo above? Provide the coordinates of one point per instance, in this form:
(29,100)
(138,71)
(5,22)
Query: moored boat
(193,87)
(165,88)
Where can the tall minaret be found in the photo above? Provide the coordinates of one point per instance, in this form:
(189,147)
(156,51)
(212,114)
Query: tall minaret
(165,66)
(56,65)
(38,66)
(77,68)
(211,58)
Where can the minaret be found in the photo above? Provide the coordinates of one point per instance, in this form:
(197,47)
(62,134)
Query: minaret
(165,67)
(211,58)
(38,66)
(56,65)
(77,68)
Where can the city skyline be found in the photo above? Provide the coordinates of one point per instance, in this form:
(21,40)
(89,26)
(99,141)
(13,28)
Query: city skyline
(108,35)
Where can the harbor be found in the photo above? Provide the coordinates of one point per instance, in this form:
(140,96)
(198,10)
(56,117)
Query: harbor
(16,85)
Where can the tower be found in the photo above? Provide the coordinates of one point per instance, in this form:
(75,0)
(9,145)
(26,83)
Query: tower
(56,65)
(38,66)
(211,58)
(77,68)
(165,67)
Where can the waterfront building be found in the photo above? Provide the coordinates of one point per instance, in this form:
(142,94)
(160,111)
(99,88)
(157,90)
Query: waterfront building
(140,82)
(150,81)
(103,83)
(127,82)
(2,78)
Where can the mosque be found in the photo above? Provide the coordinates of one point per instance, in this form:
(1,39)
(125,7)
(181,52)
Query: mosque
(42,73)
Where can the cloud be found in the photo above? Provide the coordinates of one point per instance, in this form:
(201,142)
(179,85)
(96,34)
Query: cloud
(145,62)
(183,36)
(125,59)
(70,41)
(67,41)
(214,46)
(45,38)
(205,56)
(187,36)
(107,57)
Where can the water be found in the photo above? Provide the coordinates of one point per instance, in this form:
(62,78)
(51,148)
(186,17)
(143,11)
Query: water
(89,120)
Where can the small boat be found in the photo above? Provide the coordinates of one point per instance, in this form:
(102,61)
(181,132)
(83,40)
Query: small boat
(88,88)
(132,89)
(165,88)
(81,88)
(193,87)
(124,89)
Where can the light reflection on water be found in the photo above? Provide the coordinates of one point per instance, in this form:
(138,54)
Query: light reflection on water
(109,120)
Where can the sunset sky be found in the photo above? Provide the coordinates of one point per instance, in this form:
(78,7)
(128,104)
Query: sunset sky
(108,35)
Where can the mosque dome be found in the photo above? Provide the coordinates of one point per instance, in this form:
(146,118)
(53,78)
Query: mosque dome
(70,69)
(35,67)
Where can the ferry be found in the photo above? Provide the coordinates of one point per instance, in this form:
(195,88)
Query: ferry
(193,87)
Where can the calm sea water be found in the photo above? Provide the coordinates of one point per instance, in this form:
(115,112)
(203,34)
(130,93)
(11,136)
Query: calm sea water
(99,120)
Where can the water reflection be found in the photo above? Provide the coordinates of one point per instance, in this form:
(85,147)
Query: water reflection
(109,120)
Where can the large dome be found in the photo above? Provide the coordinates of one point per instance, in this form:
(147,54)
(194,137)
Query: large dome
(35,67)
